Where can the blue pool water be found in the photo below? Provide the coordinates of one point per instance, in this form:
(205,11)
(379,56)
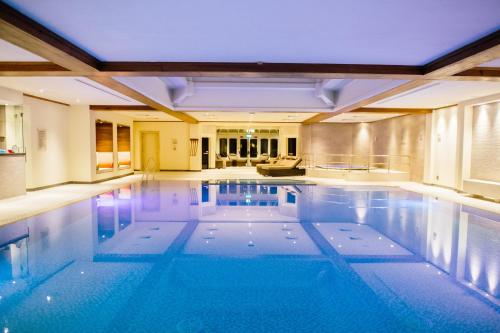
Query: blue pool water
(252,257)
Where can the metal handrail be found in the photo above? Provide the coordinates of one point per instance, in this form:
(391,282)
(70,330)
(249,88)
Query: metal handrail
(359,162)
(149,169)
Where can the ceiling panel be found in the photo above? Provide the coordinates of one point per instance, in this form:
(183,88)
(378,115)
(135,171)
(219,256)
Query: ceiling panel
(315,31)
(147,116)
(251,116)
(361,117)
(70,90)
(11,52)
(493,63)
(439,93)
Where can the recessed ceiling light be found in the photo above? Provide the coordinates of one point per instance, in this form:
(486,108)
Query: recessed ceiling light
(78,100)
(41,90)
(206,113)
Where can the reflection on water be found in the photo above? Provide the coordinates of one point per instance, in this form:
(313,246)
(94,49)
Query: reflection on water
(256,256)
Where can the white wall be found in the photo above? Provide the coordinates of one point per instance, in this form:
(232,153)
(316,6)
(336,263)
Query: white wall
(443,145)
(48,166)
(70,150)
(464,147)
(172,156)
(485,142)
(80,156)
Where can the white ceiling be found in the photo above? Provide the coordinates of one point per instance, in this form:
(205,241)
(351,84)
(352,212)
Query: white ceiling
(493,63)
(11,52)
(243,117)
(147,115)
(361,117)
(70,90)
(237,94)
(313,31)
(439,93)
(281,117)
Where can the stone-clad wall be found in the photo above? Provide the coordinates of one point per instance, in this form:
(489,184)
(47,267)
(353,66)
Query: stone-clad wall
(395,136)
(485,149)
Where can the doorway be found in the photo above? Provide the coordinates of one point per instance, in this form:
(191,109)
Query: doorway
(150,160)
(292,147)
(205,143)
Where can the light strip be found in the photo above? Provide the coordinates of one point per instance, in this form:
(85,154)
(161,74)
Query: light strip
(103,90)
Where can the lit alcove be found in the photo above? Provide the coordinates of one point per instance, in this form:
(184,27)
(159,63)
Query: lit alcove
(104,146)
(124,156)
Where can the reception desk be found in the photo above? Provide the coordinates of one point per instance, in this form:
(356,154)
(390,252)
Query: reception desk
(12,175)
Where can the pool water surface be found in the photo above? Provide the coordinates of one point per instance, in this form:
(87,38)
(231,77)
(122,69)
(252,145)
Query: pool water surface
(252,256)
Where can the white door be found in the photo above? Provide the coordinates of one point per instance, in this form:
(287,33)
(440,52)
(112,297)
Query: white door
(150,151)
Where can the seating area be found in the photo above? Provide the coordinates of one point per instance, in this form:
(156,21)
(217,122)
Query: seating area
(236,161)
(266,166)
(287,166)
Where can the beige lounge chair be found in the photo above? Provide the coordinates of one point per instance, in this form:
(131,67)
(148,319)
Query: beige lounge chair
(283,167)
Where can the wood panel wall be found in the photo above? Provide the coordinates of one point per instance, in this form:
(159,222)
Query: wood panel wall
(104,137)
(123,135)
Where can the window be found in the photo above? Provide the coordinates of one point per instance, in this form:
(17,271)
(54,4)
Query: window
(292,147)
(233,144)
(243,148)
(274,148)
(253,147)
(264,146)
(124,156)
(223,147)
(104,146)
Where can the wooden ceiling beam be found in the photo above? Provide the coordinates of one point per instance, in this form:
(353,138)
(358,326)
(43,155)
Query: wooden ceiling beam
(393,110)
(478,74)
(32,68)
(46,99)
(469,56)
(321,71)
(220,69)
(260,70)
(121,108)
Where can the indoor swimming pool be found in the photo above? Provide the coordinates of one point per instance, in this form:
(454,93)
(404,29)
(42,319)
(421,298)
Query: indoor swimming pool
(252,256)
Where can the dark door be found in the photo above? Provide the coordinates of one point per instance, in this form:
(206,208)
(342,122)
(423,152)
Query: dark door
(253,148)
(292,147)
(204,153)
(243,147)
(274,147)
